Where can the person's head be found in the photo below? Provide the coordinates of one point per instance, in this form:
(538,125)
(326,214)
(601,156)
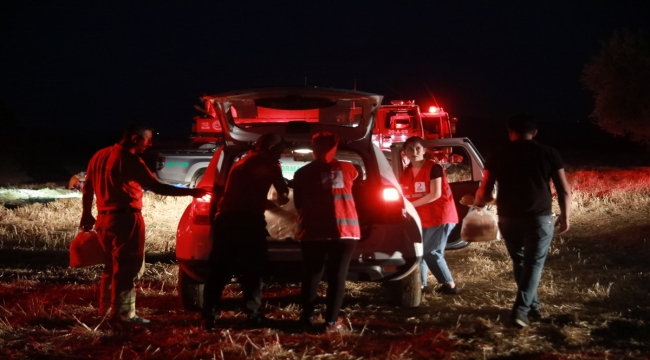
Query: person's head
(137,138)
(522,126)
(323,146)
(414,149)
(270,143)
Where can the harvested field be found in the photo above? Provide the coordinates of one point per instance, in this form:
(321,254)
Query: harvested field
(595,294)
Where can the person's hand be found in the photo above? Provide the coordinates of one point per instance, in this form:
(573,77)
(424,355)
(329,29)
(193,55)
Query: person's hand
(563,223)
(283,199)
(87,221)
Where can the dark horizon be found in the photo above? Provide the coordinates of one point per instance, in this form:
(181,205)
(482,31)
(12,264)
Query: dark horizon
(74,73)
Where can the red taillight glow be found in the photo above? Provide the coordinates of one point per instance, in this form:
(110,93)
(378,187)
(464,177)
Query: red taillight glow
(433,109)
(391,194)
(201,211)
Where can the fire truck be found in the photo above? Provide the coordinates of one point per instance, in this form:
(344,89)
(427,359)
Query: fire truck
(402,119)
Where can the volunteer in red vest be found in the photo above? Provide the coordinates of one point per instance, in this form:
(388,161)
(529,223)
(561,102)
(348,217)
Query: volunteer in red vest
(116,177)
(328,227)
(424,184)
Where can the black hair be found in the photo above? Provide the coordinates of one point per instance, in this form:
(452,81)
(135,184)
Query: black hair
(135,129)
(324,141)
(412,140)
(522,124)
(267,141)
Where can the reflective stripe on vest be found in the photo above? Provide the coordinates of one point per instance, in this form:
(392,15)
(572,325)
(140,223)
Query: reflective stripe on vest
(339,181)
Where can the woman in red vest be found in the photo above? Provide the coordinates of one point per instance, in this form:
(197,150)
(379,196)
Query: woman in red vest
(328,227)
(424,184)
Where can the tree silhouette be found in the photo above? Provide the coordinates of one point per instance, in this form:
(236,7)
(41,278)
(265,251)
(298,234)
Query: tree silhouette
(619,79)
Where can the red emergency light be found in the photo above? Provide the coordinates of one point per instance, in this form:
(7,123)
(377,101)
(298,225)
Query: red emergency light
(433,109)
(402,102)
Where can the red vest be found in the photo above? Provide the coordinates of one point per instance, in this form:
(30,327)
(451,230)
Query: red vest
(438,212)
(329,211)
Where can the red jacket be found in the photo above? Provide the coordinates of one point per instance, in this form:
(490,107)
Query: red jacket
(438,212)
(323,195)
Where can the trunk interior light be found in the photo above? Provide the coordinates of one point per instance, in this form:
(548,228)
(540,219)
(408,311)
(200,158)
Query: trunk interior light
(391,194)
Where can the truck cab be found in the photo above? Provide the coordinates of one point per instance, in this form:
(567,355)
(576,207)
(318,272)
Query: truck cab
(397,122)
(437,124)
(402,119)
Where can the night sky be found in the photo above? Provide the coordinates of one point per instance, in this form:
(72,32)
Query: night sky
(93,67)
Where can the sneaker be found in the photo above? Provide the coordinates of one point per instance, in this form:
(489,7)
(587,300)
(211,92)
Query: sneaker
(210,321)
(136,320)
(534,315)
(336,327)
(258,321)
(426,289)
(520,321)
(446,290)
(307,323)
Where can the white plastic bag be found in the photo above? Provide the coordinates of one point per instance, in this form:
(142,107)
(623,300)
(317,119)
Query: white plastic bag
(281,221)
(85,250)
(479,225)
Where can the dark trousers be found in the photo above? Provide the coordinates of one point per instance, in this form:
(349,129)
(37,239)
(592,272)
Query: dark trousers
(334,255)
(527,241)
(239,249)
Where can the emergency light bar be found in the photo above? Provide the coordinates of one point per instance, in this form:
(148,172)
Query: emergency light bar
(402,102)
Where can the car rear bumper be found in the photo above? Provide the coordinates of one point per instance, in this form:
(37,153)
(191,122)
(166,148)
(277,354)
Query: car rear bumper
(360,269)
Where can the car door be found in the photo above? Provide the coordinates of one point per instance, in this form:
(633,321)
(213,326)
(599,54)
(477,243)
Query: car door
(463,165)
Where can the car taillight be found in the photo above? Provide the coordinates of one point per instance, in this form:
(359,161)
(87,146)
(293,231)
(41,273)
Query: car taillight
(201,211)
(393,205)
(391,194)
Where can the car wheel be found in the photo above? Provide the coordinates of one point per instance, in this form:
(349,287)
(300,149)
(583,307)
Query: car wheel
(191,292)
(197,178)
(407,292)
(456,245)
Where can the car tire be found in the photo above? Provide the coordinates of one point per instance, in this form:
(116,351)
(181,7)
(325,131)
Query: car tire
(190,291)
(407,292)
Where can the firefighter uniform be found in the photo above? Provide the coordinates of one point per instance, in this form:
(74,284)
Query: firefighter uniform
(116,176)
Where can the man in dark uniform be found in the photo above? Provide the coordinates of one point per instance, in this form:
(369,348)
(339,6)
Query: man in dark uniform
(523,169)
(115,177)
(239,229)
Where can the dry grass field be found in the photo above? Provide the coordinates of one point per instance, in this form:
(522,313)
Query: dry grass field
(595,292)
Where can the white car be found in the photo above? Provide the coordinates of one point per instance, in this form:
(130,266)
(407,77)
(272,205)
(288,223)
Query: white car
(390,248)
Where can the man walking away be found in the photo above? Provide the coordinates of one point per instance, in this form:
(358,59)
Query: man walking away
(116,177)
(523,169)
(239,230)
